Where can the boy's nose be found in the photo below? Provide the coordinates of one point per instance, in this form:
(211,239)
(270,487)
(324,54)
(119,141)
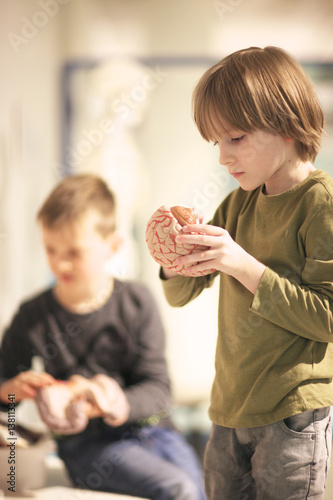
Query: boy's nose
(225,156)
(64,265)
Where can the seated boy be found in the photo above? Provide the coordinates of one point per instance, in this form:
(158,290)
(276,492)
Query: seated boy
(89,325)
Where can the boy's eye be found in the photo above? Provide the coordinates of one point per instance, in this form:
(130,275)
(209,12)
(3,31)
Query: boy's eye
(237,139)
(73,254)
(232,139)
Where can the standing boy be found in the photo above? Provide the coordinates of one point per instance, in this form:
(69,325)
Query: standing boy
(271,242)
(90,326)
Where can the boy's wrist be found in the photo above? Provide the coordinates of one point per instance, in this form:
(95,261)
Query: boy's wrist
(3,393)
(250,273)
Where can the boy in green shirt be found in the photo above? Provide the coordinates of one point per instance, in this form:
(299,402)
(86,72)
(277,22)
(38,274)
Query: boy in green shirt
(271,243)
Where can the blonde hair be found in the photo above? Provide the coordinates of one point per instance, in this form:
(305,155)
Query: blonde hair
(74,197)
(263,89)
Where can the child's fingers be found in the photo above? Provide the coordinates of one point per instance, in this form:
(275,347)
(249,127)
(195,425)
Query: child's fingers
(19,388)
(204,229)
(192,258)
(46,378)
(25,391)
(35,379)
(25,385)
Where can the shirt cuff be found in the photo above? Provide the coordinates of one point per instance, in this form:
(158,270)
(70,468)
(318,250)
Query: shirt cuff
(265,293)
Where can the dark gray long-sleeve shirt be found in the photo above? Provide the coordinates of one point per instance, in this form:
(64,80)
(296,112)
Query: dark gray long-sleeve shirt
(124,339)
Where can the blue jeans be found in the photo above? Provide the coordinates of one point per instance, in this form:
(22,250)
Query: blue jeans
(287,460)
(149,462)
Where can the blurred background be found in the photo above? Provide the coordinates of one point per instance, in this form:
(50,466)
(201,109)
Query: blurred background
(105,86)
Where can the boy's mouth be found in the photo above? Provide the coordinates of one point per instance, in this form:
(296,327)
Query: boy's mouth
(66,278)
(236,175)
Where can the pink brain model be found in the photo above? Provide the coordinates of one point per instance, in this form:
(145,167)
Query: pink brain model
(162,228)
(67,406)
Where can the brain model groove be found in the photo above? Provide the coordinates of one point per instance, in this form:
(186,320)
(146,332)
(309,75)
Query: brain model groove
(162,228)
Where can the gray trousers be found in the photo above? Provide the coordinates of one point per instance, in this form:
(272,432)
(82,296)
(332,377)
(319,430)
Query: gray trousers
(287,460)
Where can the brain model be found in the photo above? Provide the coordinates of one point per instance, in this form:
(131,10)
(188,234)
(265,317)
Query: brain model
(162,228)
(59,411)
(66,407)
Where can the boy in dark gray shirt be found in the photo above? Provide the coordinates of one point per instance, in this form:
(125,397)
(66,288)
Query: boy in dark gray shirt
(90,325)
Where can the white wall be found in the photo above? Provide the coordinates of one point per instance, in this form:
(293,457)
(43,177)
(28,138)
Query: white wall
(180,165)
(29,127)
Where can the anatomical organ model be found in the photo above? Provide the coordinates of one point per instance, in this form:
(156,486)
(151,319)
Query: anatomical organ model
(162,229)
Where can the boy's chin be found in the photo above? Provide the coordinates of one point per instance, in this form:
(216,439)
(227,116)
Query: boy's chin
(247,186)
(66,284)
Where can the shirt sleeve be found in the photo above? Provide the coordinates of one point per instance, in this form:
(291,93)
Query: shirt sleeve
(148,385)
(181,290)
(304,308)
(15,351)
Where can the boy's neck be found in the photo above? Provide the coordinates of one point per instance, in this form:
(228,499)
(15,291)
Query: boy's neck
(84,302)
(289,178)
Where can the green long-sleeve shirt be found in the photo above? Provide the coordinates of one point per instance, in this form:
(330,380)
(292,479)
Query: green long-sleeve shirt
(274,354)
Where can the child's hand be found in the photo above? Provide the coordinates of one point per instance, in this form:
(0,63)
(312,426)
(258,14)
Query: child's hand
(222,254)
(104,398)
(25,385)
